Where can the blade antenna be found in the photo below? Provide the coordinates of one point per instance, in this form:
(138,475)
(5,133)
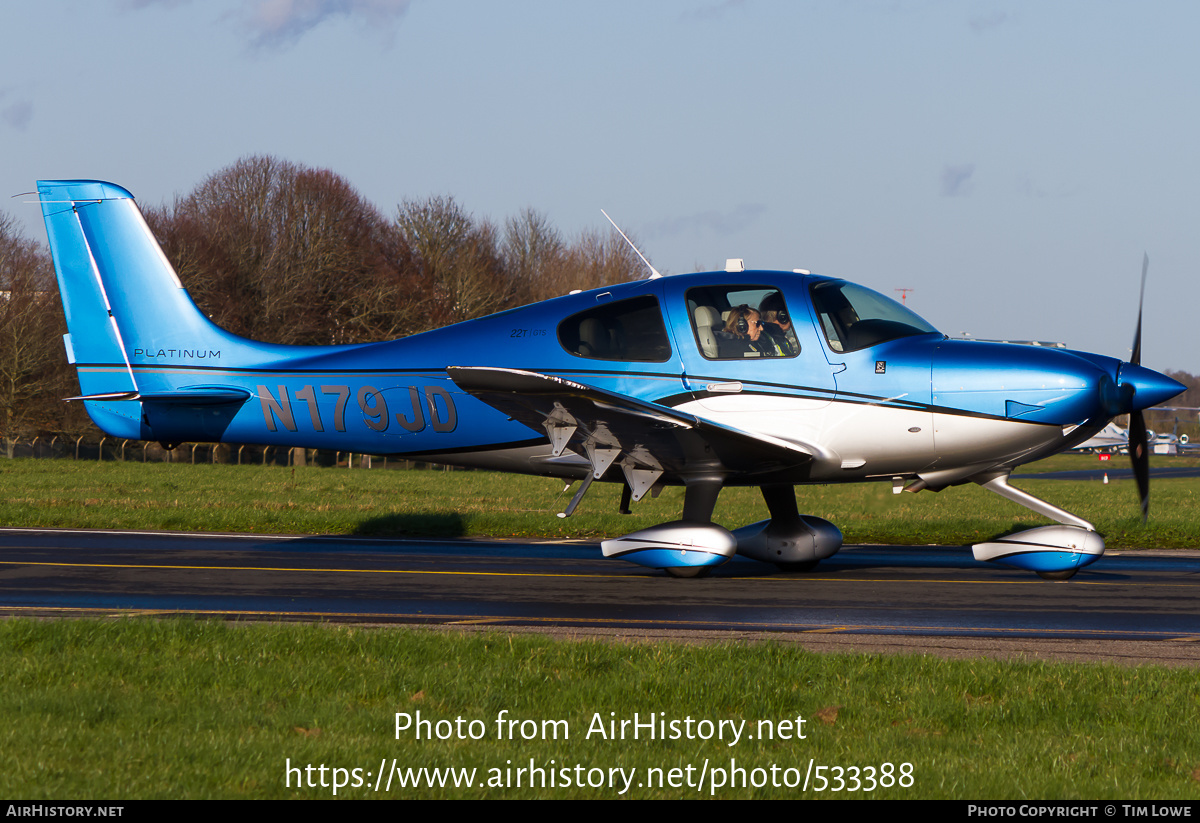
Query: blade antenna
(653,271)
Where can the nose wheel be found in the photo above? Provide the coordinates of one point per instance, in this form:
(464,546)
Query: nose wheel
(688,572)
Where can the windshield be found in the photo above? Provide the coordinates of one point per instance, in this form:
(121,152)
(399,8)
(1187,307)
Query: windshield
(854,317)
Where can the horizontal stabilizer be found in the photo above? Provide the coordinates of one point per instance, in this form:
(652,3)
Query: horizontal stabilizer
(195,396)
(109,396)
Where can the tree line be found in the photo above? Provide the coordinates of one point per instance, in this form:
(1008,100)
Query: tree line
(281,252)
(285,253)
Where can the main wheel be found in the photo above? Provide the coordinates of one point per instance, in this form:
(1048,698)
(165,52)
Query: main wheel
(1063,575)
(804,566)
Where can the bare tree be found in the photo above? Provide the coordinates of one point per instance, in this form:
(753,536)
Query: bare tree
(458,257)
(277,251)
(280,252)
(602,259)
(534,255)
(31,327)
(544,265)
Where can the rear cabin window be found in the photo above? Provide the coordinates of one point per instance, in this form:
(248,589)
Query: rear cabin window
(736,322)
(629,330)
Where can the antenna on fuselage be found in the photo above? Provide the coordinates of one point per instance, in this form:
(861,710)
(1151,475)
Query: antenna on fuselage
(653,271)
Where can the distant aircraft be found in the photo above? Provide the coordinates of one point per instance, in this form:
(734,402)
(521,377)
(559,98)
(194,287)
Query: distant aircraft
(1113,438)
(728,378)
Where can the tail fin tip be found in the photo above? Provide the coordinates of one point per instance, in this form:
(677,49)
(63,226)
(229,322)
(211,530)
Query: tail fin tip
(80,190)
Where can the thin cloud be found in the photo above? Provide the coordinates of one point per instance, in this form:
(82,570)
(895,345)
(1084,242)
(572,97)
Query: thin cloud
(714,222)
(1028,187)
(281,23)
(956,180)
(15,112)
(141,4)
(713,10)
(980,23)
(18,115)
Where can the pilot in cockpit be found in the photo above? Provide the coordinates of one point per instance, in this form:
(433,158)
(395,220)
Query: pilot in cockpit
(777,326)
(742,335)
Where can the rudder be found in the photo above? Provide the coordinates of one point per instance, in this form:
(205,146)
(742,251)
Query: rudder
(93,337)
(120,294)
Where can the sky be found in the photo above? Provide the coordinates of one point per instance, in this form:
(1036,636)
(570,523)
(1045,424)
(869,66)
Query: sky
(1009,162)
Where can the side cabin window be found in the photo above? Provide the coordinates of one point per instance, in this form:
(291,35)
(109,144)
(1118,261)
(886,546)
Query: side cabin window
(735,322)
(854,317)
(630,330)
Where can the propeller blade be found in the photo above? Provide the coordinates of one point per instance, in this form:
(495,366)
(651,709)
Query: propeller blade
(1139,454)
(1139,451)
(1136,357)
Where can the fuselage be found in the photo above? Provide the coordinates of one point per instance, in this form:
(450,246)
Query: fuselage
(866,386)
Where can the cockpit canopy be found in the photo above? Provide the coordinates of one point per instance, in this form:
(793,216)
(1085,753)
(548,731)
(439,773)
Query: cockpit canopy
(854,317)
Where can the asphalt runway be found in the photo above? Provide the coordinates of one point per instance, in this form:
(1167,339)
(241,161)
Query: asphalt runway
(1135,606)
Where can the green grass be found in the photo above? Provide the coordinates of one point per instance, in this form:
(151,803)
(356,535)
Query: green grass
(204,709)
(129,709)
(83,494)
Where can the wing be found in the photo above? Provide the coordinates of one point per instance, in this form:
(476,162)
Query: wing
(646,440)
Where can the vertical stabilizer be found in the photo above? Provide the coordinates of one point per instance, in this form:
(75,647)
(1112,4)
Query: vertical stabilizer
(122,299)
(93,337)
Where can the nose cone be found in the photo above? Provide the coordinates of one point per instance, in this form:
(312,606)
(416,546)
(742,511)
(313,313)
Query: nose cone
(1149,388)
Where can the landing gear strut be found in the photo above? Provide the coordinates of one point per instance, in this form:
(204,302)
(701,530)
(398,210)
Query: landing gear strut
(690,547)
(1054,552)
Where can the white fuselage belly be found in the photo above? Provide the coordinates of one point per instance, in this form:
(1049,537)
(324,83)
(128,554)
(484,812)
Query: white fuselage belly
(860,440)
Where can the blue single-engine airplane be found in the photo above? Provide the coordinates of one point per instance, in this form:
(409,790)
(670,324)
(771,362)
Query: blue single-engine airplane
(728,378)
